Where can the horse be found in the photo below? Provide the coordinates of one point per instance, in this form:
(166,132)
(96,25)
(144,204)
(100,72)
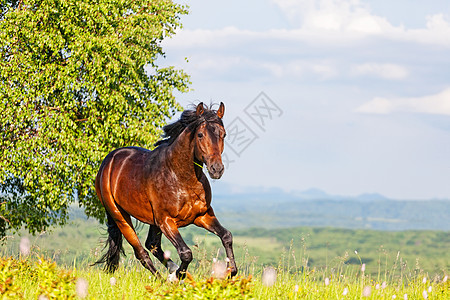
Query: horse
(165,188)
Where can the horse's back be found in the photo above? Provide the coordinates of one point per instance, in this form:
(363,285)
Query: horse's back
(118,156)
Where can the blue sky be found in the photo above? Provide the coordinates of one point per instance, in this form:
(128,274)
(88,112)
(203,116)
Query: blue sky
(359,90)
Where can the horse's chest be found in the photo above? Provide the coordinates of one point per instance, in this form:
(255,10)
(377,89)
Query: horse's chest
(191,205)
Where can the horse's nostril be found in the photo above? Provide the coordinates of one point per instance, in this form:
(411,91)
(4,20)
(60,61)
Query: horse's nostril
(218,168)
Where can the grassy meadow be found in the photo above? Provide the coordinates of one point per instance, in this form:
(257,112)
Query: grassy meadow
(291,263)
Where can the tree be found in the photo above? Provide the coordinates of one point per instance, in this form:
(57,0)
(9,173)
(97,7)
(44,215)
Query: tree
(77,79)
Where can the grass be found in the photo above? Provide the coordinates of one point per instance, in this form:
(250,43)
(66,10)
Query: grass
(309,263)
(34,276)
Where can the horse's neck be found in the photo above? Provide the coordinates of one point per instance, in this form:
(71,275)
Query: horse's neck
(181,156)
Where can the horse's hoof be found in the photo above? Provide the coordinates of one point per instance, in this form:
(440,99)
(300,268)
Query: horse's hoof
(233,271)
(181,275)
(172,277)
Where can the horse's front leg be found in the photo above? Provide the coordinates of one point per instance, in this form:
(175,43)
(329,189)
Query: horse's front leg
(170,230)
(210,223)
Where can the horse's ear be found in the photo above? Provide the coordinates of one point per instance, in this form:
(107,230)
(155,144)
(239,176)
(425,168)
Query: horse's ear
(221,110)
(200,109)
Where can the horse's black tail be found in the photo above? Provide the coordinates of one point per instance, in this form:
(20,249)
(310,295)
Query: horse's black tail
(114,244)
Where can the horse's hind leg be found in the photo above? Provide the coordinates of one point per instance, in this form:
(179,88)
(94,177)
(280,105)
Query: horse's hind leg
(118,215)
(125,225)
(153,243)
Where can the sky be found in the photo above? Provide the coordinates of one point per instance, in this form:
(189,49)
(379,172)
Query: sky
(348,96)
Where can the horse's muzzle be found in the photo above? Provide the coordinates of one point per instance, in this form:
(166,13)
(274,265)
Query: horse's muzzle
(216,170)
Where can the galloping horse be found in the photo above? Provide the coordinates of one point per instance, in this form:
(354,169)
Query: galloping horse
(165,188)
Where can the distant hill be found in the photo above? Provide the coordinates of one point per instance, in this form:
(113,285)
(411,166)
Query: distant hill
(273,208)
(244,207)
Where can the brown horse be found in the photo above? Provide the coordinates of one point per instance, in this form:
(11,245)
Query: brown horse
(165,188)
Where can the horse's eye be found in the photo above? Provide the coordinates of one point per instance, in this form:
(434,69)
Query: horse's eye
(200,135)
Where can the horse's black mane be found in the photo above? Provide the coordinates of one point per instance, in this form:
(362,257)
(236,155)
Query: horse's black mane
(189,119)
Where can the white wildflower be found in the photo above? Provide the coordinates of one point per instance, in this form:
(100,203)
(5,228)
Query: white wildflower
(296,288)
(377,286)
(81,288)
(327,281)
(363,267)
(384,285)
(405,296)
(269,276)
(345,292)
(112,281)
(425,294)
(394,296)
(445,278)
(429,289)
(24,246)
(424,280)
(367,291)
(219,269)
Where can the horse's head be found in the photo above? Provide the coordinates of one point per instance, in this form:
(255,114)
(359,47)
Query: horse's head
(209,142)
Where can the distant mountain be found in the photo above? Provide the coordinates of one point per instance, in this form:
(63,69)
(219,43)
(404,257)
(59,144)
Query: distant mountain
(312,194)
(371,197)
(240,207)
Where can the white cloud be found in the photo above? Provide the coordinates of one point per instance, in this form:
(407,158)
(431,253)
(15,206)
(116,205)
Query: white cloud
(335,39)
(219,64)
(432,104)
(321,28)
(325,70)
(377,106)
(437,22)
(322,21)
(351,19)
(295,8)
(333,15)
(368,24)
(386,71)
(186,38)
(302,68)
(437,31)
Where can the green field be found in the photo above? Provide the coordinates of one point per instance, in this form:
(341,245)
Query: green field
(385,254)
(310,263)
(37,278)
(308,272)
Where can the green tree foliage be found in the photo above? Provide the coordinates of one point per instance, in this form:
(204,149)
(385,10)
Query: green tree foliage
(73,87)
